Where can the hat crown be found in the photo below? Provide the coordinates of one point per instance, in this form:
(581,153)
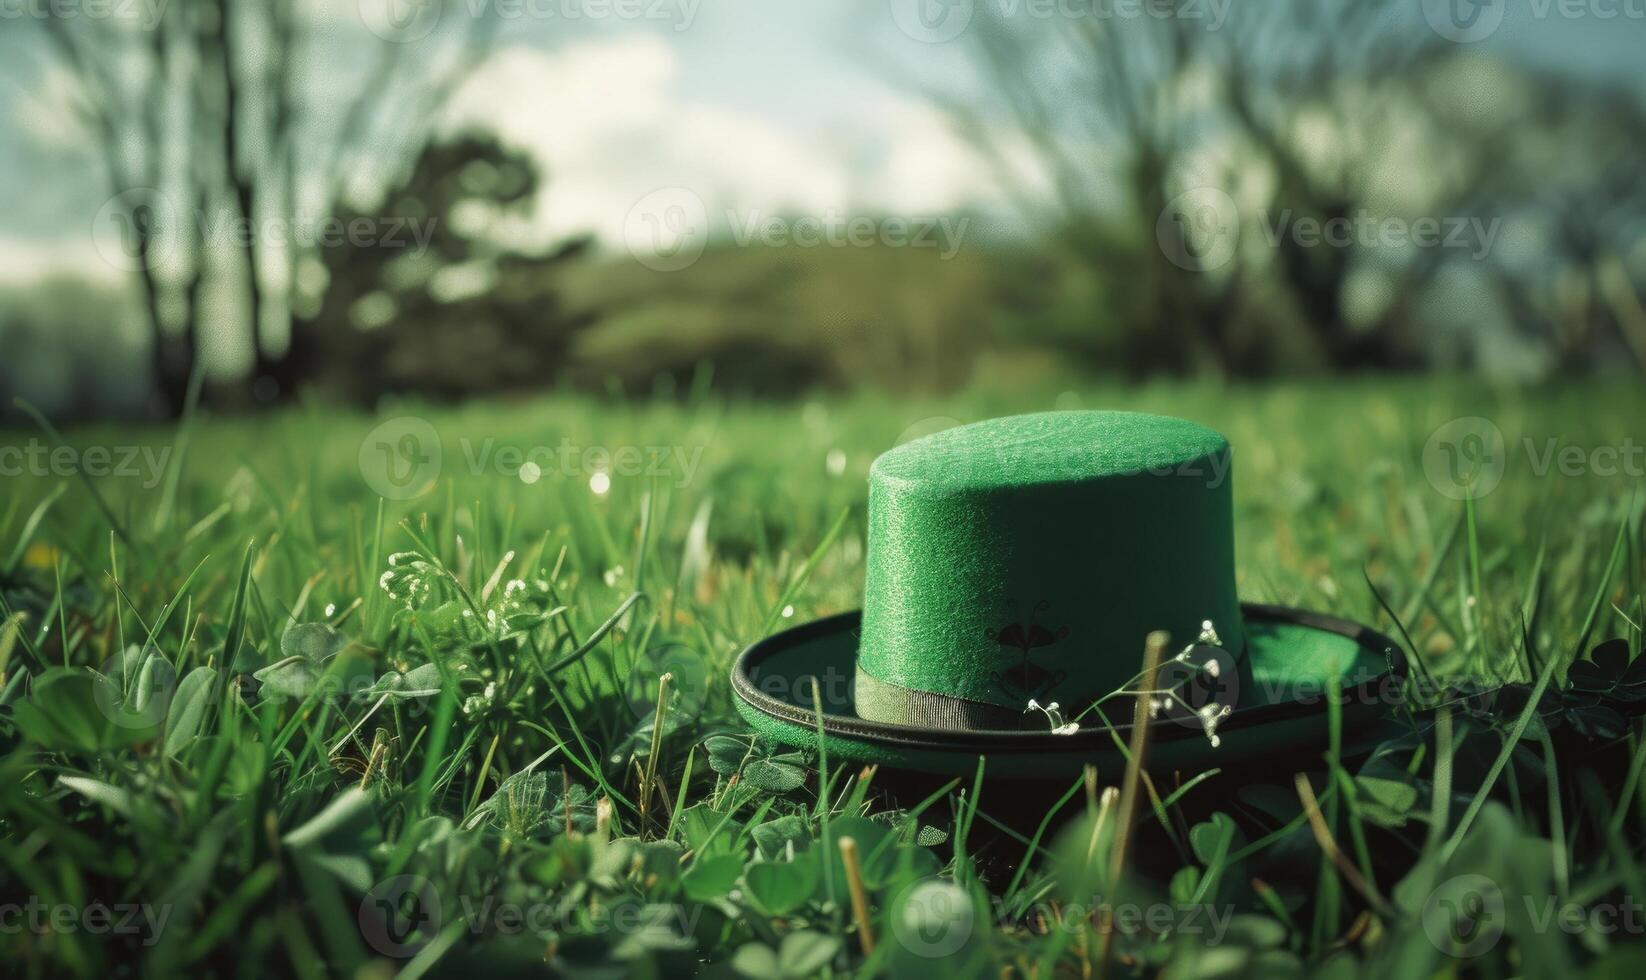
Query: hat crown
(1027,558)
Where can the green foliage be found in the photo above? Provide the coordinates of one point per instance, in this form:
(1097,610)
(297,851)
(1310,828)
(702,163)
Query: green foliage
(69,710)
(758,765)
(332,735)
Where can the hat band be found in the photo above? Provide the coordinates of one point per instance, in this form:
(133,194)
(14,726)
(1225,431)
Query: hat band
(895,704)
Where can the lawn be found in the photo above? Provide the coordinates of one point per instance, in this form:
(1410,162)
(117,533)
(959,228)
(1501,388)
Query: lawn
(330,733)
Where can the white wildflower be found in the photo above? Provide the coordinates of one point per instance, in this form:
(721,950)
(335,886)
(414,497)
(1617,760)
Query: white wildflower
(479,703)
(1210,717)
(1055,717)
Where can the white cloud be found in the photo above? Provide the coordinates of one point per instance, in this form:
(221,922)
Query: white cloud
(608,120)
(29,260)
(48,114)
(617,116)
(928,168)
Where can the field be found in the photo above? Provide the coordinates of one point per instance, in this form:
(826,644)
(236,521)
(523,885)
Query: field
(339,734)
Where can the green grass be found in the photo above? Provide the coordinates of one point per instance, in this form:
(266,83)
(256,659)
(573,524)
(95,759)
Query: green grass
(488,764)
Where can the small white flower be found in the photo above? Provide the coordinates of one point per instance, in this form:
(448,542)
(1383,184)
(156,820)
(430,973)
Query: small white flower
(1054,717)
(1212,667)
(1211,716)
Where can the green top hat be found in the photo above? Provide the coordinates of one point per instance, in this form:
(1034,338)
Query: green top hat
(1015,567)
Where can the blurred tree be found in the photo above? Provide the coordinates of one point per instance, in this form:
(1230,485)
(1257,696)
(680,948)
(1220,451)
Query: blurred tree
(216,150)
(440,308)
(1124,116)
(1178,153)
(1573,283)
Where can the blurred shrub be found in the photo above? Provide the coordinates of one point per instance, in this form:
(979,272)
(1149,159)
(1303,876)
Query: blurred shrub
(72,347)
(781,320)
(459,313)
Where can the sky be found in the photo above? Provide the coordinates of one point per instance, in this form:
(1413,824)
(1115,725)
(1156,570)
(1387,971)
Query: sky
(740,107)
(752,107)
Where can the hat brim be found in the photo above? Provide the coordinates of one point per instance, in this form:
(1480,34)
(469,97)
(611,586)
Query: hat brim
(1295,663)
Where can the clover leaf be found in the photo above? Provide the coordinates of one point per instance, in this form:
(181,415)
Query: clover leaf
(305,650)
(756,764)
(419,682)
(1611,673)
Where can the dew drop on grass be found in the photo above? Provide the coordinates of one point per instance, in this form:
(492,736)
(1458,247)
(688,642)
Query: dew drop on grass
(530,472)
(600,483)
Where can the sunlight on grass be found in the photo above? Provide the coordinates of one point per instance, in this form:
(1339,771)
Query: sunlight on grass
(304,717)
